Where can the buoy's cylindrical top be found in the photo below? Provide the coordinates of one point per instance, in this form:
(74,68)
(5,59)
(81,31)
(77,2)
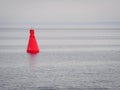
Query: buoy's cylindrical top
(32,31)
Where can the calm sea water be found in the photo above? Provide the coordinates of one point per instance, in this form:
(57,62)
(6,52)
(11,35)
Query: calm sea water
(69,60)
(15,40)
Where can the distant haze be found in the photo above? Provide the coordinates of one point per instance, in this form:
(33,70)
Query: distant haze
(59,11)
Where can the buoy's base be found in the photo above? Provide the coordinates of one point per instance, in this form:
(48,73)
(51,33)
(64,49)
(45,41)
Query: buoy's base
(32,52)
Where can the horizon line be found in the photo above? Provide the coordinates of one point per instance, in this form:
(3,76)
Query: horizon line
(59,23)
(94,28)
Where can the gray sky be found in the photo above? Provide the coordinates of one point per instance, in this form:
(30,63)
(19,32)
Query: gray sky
(60,11)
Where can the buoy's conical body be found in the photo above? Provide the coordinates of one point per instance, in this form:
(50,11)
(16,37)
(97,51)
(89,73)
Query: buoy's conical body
(32,44)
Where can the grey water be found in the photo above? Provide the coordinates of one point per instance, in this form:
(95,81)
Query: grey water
(72,59)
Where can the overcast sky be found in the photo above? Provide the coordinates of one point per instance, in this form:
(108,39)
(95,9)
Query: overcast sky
(59,11)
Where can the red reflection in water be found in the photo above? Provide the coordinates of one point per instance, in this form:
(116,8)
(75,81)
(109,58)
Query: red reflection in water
(32,61)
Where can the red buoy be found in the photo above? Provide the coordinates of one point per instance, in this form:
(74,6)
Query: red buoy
(32,44)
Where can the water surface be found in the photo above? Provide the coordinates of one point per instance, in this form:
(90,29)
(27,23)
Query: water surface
(69,60)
